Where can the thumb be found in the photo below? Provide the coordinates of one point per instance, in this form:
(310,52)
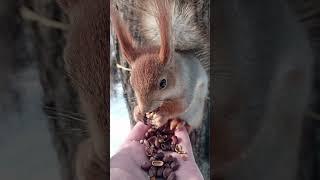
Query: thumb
(137,132)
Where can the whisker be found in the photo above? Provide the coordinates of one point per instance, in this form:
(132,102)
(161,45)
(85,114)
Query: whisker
(66,117)
(63,111)
(72,130)
(58,118)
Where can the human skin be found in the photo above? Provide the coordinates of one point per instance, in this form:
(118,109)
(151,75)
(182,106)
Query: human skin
(125,164)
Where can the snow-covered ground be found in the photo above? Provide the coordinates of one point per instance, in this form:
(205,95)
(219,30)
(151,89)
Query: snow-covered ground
(119,120)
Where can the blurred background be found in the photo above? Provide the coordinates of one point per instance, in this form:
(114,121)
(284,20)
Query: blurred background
(40,120)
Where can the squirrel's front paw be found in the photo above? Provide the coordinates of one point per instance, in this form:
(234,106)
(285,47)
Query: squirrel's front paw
(158,119)
(137,115)
(177,123)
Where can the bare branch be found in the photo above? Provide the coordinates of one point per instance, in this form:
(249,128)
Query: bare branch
(124,68)
(28,14)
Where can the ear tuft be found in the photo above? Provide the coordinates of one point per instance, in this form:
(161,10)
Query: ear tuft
(127,43)
(66,4)
(163,18)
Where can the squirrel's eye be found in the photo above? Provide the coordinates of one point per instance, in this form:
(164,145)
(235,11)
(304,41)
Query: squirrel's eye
(163,83)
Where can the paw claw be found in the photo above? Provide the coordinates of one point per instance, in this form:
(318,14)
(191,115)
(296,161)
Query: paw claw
(180,125)
(176,124)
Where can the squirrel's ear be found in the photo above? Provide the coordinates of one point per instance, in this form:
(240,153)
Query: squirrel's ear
(66,4)
(164,22)
(127,43)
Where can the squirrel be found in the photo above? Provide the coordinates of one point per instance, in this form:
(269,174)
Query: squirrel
(169,75)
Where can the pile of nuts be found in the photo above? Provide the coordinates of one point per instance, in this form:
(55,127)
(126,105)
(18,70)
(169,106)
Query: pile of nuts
(157,141)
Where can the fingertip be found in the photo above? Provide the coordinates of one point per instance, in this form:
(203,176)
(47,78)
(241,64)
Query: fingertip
(138,131)
(139,123)
(140,128)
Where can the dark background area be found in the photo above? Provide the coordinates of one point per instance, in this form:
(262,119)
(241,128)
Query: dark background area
(266,90)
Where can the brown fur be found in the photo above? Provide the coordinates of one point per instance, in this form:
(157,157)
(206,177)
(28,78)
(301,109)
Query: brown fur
(128,46)
(173,106)
(148,68)
(87,63)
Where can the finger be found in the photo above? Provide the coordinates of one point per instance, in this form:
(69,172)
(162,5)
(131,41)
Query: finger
(184,141)
(138,131)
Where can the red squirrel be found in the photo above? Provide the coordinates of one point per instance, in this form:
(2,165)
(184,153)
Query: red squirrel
(168,80)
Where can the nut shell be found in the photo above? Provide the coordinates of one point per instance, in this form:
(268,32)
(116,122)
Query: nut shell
(172,176)
(157,163)
(168,159)
(166,172)
(174,165)
(159,156)
(152,171)
(160,171)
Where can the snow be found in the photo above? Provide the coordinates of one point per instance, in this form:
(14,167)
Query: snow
(119,120)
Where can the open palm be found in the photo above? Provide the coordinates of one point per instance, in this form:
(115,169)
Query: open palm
(126,163)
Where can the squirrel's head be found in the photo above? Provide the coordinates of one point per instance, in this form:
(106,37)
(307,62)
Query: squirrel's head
(154,71)
(153,82)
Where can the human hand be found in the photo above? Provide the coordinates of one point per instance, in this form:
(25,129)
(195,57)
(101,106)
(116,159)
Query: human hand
(126,164)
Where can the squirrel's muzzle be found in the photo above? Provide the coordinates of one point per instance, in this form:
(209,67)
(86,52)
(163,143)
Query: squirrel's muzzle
(146,108)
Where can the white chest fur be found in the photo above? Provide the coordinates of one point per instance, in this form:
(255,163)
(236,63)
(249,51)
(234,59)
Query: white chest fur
(195,81)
